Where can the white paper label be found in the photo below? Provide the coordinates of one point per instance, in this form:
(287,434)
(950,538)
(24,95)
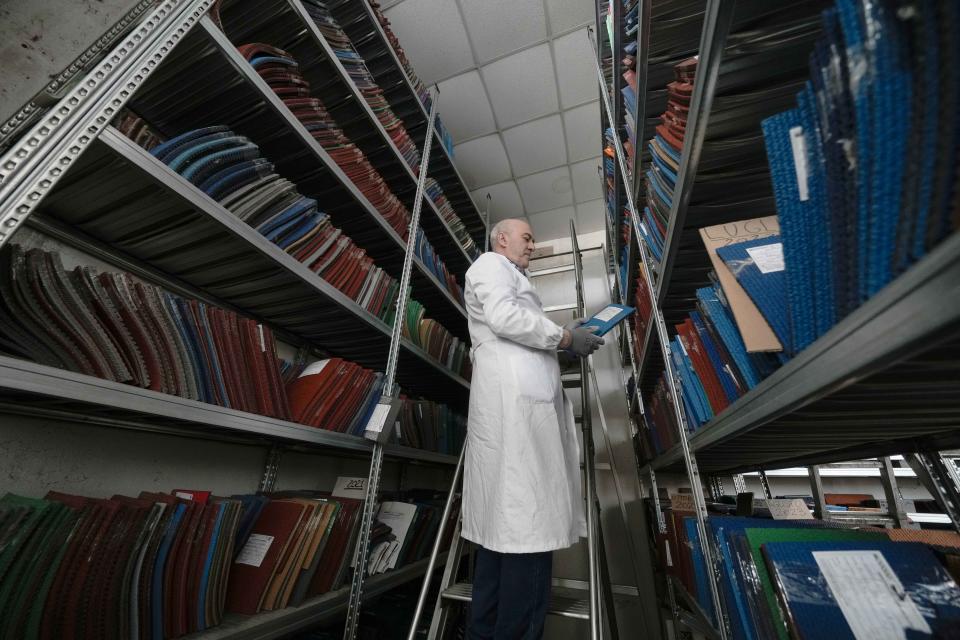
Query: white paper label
(314,368)
(607,314)
(768,257)
(666,547)
(799,145)
(788,509)
(255,550)
(263,345)
(681,502)
(184,495)
(378,418)
(870,595)
(347,487)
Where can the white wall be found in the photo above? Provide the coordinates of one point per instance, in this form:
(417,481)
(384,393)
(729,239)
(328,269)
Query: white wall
(42,37)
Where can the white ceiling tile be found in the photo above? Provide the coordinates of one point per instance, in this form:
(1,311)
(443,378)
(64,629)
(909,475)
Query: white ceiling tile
(546,190)
(482,161)
(586,181)
(576,71)
(433,36)
(498,27)
(553,224)
(505,200)
(464,106)
(566,14)
(536,146)
(590,216)
(582,125)
(521,86)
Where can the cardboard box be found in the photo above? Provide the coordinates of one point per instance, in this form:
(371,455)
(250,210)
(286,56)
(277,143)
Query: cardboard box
(754,328)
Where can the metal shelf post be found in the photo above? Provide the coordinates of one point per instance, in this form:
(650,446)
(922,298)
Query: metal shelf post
(376,463)
(693,473)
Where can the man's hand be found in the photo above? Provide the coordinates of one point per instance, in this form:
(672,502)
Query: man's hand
(583,342)
(567,336)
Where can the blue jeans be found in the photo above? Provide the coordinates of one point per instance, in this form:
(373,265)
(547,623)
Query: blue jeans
(510,595)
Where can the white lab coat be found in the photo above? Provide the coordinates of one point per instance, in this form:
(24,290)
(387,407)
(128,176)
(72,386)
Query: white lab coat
(521,490)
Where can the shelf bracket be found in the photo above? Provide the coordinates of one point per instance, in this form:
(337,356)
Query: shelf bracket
(940,478)
(271,469)
(816,489)
(891,492)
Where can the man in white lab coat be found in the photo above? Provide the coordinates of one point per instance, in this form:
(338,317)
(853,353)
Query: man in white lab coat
(521,491)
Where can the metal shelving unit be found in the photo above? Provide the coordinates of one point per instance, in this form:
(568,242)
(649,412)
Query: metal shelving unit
(27,388)
(287,25)
(281,623)
(215,252)
(882,381)
(361,24)
(223,88)
(75,178)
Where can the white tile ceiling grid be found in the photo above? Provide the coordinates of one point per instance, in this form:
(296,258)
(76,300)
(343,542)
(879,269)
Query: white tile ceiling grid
(519,97)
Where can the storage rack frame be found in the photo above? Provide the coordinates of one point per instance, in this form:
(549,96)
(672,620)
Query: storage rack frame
(70,125)
(889,331)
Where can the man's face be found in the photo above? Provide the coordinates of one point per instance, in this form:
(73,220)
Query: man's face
(517,243)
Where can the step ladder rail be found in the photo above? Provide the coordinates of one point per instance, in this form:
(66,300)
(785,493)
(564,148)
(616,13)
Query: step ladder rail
(442,613)
(588,457)
(618,487)
(435,553)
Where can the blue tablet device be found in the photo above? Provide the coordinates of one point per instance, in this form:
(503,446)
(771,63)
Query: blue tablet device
(607,318)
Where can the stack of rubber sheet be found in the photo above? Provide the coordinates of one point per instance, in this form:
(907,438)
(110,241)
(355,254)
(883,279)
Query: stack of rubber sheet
(115,327)
(864,166)
(641,301)
(296,545)
(432,426)
(629,89)
(816,579)
(428,256)
(712,364)
(351,8)
(355,20)
(154,566)
(363,79)
(665,149)
(336,395)
(436,195)
(609,168)
(406,527)
(229,169)
(281,72)
(432,337)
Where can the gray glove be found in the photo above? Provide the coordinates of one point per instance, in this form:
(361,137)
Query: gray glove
(583,342)
(573,324)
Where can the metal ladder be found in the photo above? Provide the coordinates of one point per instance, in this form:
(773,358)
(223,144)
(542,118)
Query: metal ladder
(594,604)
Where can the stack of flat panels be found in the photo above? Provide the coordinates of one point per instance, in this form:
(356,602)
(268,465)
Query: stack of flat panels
(115,327)
(864,166)
(432,337)
(363,79)
(432,426)
(281,72)
(155,566)
(665,149)
(370,34)
(295,546)
(229,169)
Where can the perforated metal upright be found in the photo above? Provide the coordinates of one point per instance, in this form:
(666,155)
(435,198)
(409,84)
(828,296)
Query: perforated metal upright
(717,21)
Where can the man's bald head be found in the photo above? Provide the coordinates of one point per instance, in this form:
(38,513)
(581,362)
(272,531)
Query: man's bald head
(514,239)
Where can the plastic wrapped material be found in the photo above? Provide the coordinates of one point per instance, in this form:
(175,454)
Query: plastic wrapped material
(859,590)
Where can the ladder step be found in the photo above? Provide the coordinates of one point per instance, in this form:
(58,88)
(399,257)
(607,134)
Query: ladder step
(569,603)
(570,383)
